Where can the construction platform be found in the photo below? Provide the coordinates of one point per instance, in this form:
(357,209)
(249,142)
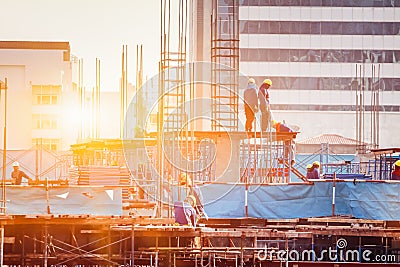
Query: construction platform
(95,226)
(52,240)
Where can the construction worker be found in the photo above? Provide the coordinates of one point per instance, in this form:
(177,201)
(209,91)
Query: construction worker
(309,171)
(315,170)
(396,171)
(250,103)
(288,146)
(281,127)
(193,191)
(263,96)
(17,174)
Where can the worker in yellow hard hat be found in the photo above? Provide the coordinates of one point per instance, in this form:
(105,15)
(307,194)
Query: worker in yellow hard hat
(289,147)
(265,109)
(193,190)
(315,170)
(396,171)
(309,171)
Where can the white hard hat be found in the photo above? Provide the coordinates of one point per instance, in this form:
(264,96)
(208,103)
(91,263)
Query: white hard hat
(15,164)
(251,81)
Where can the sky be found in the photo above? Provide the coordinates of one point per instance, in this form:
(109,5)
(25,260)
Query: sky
(94,28)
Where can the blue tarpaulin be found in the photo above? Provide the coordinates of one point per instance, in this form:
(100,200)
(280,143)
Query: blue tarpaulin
(364,200)
(28,200)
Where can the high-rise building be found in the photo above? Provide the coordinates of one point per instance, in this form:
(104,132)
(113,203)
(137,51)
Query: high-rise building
(334,65)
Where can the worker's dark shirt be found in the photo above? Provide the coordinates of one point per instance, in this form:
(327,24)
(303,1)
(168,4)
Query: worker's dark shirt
(309,175)
(314,173)
(18,175)
(396,174)
(283,128)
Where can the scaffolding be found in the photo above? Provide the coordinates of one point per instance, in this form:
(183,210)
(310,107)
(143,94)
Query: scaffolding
(363,86)
(172,114)
(225,65)
(123,241)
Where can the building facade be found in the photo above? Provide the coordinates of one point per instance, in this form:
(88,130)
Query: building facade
(335,65)
(42,106)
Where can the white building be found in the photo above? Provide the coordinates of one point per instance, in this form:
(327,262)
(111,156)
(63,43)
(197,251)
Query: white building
(311,51)
(43,105)
(42,97)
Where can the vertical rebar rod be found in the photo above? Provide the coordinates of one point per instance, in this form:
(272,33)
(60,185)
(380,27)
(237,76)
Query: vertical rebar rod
(3,184)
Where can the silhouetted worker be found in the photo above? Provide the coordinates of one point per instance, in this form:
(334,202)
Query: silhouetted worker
(193,190)
(396,171)
(315,170)
(17,174)
(263,96)
(288,146)
(250,103)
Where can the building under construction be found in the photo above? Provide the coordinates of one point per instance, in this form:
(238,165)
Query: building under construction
(115,202)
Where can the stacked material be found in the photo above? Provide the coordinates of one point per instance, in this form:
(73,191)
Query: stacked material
(99,175)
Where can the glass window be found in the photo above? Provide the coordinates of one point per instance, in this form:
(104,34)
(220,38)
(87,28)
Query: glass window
(284,55)
(46,100)
(264,27)
(273,27)
(263,54)
(253,26)
(275,2)
(396,28)
(285,27)
(303,27)
(396,56)
(388,28)
(315,27)
(274,55)
(303,57)
(315,2)
(337,3)
(396,85)
(347,3)
(294,55)
(331,27)
(367,28)
(243,28)
(326,3)
(254,2)
(225,2)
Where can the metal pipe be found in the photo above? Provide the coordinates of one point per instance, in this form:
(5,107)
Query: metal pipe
(3,205)
(1,245)
(333,194)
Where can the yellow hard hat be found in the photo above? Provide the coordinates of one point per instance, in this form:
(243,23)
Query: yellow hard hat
(397,163)
(251,81)
(191,200)
(309,166)
(268,81)
(274,122)
(316,163)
